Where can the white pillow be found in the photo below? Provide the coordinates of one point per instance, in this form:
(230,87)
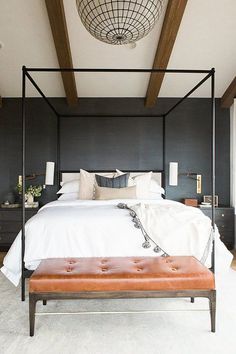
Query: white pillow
(156,190)
(69,196)
(104,193)
(70,187)
(142,183)
(88,182)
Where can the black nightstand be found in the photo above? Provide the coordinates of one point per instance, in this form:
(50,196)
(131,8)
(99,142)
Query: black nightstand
(10,224)
(225,222)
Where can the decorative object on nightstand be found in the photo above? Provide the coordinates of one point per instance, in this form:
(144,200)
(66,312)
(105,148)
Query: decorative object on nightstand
(208,199)
(224,218)
(10,206)
(191,202)
(10,198)
(205,205)
(30,193)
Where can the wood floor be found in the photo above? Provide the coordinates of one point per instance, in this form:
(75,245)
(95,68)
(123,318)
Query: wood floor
(2,255)
(233,265)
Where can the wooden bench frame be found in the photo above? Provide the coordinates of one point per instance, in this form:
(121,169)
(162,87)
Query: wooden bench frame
(44,296)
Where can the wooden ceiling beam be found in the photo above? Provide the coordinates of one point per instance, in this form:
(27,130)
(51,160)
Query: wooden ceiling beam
(228,97)
(57,19)
(173,16)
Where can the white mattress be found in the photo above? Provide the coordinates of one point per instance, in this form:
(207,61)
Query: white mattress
(85,228)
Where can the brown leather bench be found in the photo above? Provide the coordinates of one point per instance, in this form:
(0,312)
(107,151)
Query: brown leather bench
(121,277)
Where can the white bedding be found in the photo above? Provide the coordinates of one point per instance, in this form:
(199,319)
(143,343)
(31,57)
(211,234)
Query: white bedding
(88,228)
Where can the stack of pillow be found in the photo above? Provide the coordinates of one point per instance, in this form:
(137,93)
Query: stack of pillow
(117,185)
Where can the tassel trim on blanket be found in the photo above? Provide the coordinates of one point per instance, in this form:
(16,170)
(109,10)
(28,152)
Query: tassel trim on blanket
(148,241)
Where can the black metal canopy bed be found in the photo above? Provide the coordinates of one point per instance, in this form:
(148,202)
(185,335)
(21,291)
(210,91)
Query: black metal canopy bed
(26,75)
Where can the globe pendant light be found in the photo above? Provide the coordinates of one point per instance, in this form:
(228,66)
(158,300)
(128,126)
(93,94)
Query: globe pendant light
(117,21)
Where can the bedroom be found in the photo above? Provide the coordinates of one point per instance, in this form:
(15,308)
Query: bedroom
(136,141)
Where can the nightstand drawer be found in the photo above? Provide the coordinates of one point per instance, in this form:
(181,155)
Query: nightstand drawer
(10,226)
(228,239)
(6,238)
(225,226)
(224,216)
(16,215)
(220,213)
(224,219)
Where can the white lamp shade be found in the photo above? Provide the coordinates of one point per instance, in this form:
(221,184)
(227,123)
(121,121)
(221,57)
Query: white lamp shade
(49,177)
(173,174)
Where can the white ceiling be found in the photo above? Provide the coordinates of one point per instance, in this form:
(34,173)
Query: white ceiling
(206,39)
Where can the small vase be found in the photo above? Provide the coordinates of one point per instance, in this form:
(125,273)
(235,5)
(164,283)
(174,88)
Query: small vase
(30,198)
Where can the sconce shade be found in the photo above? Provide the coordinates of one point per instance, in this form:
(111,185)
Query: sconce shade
(173,174)
(49,176)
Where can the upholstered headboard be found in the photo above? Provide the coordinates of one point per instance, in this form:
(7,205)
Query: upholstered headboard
(66,176)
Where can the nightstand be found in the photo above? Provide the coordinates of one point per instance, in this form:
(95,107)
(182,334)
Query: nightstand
(224,218)
(10,224)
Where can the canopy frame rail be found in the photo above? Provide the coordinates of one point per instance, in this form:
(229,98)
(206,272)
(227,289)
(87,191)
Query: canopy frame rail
(210,74)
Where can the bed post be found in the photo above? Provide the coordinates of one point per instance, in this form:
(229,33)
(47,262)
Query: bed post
(58,149)
(213,167)
(23,187)
(164,152)
(26,74)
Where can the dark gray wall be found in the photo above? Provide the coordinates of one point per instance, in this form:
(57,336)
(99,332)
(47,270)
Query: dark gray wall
(41,126)
(110,143)
(126,143)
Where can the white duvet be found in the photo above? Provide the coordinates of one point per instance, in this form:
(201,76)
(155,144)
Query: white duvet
(85,228)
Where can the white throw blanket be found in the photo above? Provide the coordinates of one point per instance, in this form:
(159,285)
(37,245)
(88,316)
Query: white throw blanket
(177,229)
(88,228)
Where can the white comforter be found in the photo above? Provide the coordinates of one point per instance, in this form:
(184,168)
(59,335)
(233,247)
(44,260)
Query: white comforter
(100,229)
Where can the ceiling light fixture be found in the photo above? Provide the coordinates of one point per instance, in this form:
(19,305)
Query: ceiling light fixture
(119,22)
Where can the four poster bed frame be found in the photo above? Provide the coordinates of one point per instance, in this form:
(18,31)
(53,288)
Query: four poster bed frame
(26,74)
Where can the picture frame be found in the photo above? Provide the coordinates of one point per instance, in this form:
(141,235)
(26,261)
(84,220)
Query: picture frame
(208,199)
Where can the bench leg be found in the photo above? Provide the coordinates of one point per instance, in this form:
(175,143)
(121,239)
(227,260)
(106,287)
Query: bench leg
(32,306)
(192,299)
(44,302)
(22,288)
(212,303)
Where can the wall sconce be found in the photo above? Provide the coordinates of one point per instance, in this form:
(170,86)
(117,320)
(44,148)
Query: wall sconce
(173,176)
(49,175)
(173,173)
(196,177)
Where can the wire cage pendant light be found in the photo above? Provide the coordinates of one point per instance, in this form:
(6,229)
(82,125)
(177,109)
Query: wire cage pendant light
(119,21)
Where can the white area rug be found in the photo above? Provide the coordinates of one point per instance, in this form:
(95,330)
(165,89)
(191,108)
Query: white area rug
(172,332)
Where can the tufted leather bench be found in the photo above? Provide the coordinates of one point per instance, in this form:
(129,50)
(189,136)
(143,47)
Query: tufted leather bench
(121,277)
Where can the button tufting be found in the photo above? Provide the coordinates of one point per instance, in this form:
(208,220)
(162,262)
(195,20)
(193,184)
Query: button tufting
(139,269)
(69,270)
(104,269)
(173,269)
(136,261)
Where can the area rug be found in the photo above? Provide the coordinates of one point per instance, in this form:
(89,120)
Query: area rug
(179,327)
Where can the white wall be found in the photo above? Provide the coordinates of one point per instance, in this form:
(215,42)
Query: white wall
(233,157)
(233,154)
